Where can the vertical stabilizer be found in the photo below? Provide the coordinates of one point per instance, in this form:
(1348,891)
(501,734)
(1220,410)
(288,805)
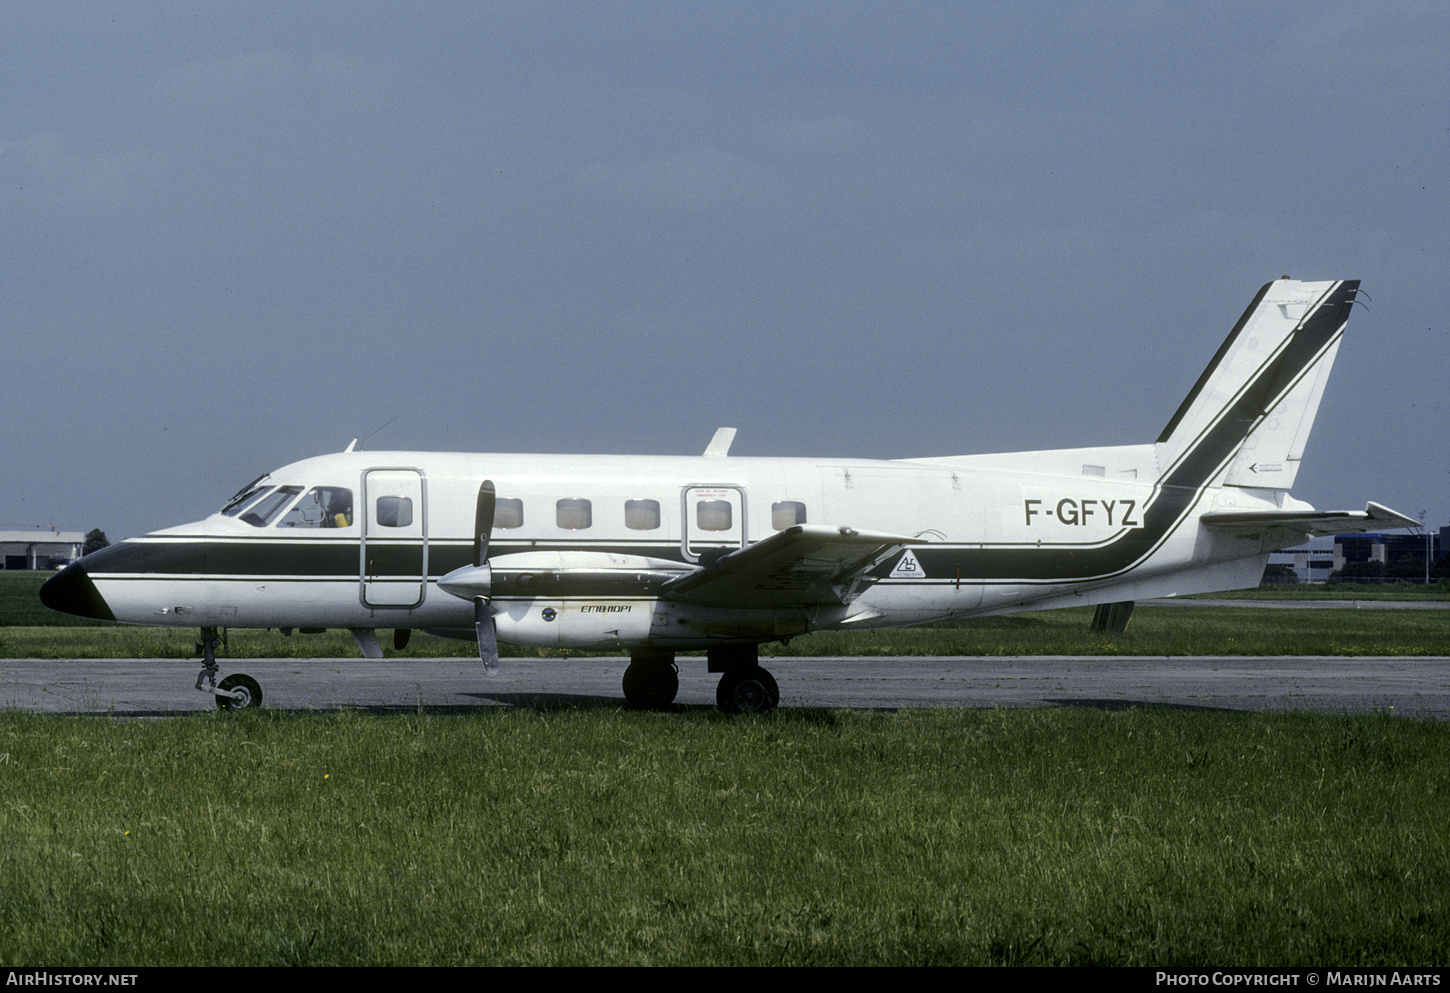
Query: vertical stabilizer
(1248,417)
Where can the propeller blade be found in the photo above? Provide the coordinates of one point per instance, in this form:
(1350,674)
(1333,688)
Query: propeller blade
(483,624)
(487,636)
(483,522)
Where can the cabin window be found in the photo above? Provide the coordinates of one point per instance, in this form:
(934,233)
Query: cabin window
(265,511)
(322,507)
(573,514)
(641,515)
(394,512)
(786,514)
(508,513)
(714,515)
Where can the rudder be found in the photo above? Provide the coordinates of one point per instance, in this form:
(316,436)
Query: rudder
(1248,417)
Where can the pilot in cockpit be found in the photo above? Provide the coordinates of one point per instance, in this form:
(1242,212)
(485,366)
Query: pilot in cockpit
(337,504)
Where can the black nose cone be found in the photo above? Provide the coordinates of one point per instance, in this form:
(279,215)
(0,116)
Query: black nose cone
(71,591)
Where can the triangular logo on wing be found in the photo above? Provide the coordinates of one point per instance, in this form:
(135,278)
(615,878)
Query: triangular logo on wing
(907,567)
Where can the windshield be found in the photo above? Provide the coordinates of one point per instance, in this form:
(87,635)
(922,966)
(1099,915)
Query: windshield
(245,495)
(265,510)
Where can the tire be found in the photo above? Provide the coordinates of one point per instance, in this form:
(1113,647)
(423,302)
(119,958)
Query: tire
(747,691)
(651,685)
(247,686)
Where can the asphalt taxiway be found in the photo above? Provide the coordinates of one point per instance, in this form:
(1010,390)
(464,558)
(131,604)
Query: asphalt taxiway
(1413,687)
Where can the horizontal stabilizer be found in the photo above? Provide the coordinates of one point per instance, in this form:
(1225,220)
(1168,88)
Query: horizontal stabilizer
(804,564)
(1310,523)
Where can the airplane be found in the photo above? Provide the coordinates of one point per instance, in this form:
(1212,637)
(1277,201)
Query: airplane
(655,555)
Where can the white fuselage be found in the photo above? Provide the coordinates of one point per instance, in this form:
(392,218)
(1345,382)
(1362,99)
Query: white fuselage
(652,554)
(575,537)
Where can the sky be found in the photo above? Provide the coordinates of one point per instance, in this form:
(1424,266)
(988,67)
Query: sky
(237,235)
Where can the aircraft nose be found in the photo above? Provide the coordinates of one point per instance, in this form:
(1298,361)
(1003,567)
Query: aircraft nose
(71,591)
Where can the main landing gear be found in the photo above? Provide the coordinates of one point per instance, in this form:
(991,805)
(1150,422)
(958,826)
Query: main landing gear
(653,679)
(235,692)
(745,686)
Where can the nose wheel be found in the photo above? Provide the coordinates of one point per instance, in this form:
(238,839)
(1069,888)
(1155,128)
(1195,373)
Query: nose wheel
(237,691)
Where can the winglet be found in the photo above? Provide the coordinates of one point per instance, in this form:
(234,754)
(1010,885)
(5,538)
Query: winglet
(719,446)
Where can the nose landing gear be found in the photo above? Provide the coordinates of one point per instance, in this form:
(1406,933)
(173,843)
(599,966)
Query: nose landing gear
(237,691)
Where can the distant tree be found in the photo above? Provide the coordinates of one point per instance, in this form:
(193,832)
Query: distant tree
(1279,574)
(1358,571)
(1407,567)
(95,540)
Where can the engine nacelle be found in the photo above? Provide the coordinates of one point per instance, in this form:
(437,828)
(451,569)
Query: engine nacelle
(605,625)
(602,601)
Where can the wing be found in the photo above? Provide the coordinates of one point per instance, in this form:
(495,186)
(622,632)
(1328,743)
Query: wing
(804,564)
(1307,524)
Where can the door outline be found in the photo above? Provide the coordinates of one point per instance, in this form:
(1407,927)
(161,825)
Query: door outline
(393,559)
(693,539)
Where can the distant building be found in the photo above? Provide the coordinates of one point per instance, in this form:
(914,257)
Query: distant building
(1313,562)
(40,549)
(1386,548)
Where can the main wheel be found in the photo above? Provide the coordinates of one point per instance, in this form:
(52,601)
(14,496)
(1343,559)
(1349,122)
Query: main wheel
(651,685)
(247,688)
(747,691)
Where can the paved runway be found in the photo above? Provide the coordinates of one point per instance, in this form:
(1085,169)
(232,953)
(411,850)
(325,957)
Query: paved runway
(1300,604)
(1414,687)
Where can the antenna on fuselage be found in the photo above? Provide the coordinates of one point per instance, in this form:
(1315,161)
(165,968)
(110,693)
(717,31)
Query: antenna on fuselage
(719,446)
(374,431)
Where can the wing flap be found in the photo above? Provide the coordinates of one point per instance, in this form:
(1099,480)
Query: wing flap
(804,564)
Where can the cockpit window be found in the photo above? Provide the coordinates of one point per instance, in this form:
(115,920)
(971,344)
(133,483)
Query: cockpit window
(264,511)
(240,502)
(322,507)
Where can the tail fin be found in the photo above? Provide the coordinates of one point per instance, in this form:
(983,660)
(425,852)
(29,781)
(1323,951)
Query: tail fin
(1247,419)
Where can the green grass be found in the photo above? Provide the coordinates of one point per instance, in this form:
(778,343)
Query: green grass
(599,836)
(1167,633)
(20,602)
(29,630)
(1161,631)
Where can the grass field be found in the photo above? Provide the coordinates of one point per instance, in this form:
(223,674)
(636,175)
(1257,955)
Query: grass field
(599,836)
(28,630)
(596,835)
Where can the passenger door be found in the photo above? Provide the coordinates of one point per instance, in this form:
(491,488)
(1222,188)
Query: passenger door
(395,538)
